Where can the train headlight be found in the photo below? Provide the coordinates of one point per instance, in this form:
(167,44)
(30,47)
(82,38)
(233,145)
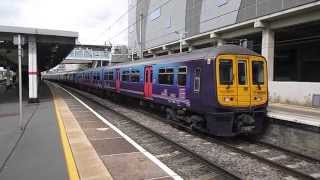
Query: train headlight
(257,98)
(227,99)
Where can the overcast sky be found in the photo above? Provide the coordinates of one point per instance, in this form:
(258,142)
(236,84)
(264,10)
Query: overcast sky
(91,18)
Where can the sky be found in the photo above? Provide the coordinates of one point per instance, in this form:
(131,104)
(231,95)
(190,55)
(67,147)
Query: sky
(91,18)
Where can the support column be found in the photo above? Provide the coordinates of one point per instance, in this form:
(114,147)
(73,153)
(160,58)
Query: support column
(8,75)
(32,70)
(267,50)
(220,42)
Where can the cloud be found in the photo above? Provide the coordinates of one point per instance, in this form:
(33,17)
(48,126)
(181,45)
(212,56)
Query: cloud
(88,17)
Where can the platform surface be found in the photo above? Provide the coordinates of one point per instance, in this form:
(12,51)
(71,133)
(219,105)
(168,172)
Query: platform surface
(298,114)
(38,154)
(121,156)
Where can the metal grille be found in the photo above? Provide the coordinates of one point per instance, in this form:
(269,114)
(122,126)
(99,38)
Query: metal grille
(316,100)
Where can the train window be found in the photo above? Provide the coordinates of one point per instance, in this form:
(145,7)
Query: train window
(105,76)
(135,76)
(226,72)
(125,76)
(98,76)
(162,70)
(242,75)
(182,76)
(257,72)
(166,76)
(110,76)
(196,83)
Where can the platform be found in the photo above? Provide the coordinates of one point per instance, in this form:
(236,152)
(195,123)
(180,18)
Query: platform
(121,157)
(35,153)
(297,114)
(64,139)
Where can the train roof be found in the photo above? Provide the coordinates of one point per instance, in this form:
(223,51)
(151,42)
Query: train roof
(205,53)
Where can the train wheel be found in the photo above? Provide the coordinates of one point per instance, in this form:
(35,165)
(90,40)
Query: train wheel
(170,114)
(196,123)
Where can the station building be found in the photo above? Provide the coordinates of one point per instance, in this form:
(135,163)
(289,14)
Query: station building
(286,32)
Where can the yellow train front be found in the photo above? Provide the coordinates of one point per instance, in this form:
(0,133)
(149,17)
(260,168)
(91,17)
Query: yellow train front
(241,86)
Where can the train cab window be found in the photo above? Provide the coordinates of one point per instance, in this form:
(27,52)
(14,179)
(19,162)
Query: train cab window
(165,76)
(196,80)
(257,72)
(182,76)
(226,72)
(242,75)
(135,76)
(125,76)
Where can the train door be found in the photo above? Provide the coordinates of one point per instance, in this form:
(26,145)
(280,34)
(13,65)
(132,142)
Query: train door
(259,81)
(118,80)
(226,81)
(148,82)
(243,83)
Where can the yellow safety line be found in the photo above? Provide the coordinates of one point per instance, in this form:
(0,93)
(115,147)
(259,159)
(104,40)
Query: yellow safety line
(70,163)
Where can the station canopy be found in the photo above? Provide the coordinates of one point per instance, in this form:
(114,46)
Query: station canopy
(52,46)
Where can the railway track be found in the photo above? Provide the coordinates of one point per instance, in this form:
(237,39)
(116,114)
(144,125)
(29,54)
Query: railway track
(294,165)
(298,165)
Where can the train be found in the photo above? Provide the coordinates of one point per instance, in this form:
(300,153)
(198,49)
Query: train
(222,91)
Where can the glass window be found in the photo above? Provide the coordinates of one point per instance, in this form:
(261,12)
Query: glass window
(98,76)
(221,2)
(146,76)
(125,76)
(226,73)
(242,75)
(135,76)
(110,76)
(155,14)
(182,76)
(257,72)
(196,83)
(166,76)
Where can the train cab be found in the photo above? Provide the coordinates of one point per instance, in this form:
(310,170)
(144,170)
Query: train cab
(242,90)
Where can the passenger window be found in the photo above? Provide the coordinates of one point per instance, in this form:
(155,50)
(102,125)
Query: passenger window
(242,72)
(166,76)
(135,76)
(257,72)
(182,76)
(146,76)
(98,76)
(110,76)
(105,76)
(125,76)
(196,83)
(226,72)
